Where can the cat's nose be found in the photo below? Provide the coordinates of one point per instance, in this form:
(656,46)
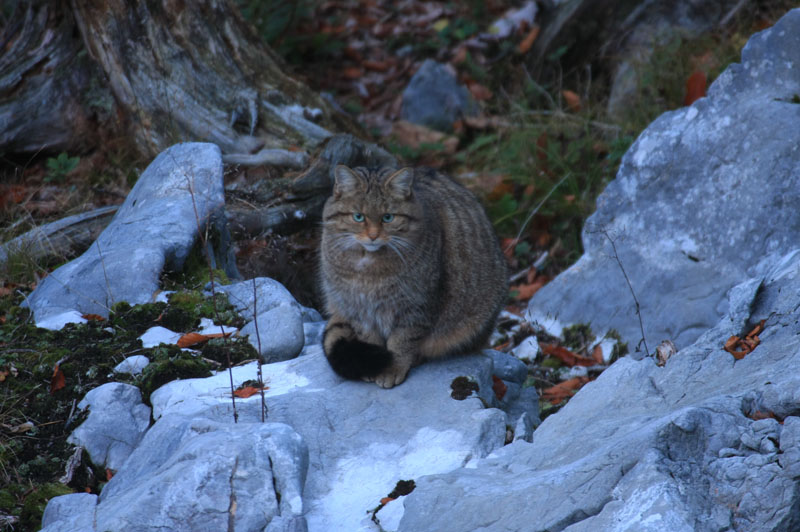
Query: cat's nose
(373,233)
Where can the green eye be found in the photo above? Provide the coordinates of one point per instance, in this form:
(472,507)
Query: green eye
(359,217)
(387,218)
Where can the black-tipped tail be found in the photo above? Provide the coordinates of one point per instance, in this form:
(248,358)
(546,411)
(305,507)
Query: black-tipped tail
(354,359)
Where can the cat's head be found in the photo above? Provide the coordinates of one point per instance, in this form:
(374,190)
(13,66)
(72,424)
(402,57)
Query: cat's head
(373,209)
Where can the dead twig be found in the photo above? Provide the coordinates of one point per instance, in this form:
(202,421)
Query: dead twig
(630,287)
(264,410)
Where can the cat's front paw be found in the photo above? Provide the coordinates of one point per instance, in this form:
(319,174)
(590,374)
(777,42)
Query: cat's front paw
(393,375)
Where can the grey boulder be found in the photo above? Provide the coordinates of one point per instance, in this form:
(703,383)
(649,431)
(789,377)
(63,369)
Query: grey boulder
(331,451)
(434,98)
(70,513)
(280,335)
(694,446)
(154,229)
(196,474)
(702,195)
(117,421)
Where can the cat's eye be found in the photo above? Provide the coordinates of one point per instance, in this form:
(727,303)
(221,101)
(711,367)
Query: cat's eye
(359,217)
(387,218)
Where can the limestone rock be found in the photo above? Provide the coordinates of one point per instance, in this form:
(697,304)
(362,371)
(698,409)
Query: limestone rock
(117,421)
(703,194)
(434,98)
(154,228)
(134,364)
(281,334)
(70,513)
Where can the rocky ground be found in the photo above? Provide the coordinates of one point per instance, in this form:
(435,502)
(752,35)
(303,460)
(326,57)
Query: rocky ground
(703,441)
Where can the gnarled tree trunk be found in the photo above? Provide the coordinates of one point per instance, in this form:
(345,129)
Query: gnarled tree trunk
(158,72)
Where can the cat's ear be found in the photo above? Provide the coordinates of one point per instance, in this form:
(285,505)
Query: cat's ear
(346,180)
(400,182)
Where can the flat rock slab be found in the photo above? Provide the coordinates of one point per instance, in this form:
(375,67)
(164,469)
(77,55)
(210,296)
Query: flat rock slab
(687,447)
(360,439)
(703,194)
(154,228)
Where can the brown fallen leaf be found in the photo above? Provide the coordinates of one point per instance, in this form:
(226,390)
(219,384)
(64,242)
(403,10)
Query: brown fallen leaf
(758,414)
(248,391)
(499,387)
(741,347)
(566,356)
(353,73)
(564,390)
(478,91)
(529,39)
(695,87)
(109,474)
(526,290)
(58,380)
(387,500)
(414,135)
(572,99)
(93,317)
(192,338)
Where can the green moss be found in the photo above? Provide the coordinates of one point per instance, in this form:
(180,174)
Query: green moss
(551,362)
(620,348)
(171,363)
(578,336)
(219,350)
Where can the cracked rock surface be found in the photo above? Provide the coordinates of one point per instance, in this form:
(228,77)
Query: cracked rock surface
(703,194)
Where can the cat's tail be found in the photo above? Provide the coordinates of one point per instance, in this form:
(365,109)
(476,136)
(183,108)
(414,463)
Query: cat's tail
(356,360)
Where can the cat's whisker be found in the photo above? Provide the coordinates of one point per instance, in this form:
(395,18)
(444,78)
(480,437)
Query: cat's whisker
(391,244)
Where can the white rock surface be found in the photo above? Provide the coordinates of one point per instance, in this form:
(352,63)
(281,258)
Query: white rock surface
(117,421)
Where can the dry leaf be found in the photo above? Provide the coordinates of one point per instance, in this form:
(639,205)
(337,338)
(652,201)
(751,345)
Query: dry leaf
(563,390)
(529,39)
(741,347)
(566,356)
(93,317)
(353,73)
(758,414)
(695,87)
(478,91)
(58,380)
(572,99)
(387,500)
(192,338)
(379,66)
(499,387)
(526,291)
(664,352)
(109,474)
(248,391)
(414,135)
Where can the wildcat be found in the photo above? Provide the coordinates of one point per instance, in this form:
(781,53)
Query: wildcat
(411,269)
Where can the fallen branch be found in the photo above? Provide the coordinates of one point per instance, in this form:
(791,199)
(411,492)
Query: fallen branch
(58,240)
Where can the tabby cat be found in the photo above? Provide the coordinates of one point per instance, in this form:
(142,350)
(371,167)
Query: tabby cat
(410,269)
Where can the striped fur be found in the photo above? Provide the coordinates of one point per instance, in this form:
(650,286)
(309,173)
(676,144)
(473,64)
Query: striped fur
(410,270)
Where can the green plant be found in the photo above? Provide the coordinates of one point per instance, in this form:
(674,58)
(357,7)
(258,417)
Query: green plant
(59,167)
